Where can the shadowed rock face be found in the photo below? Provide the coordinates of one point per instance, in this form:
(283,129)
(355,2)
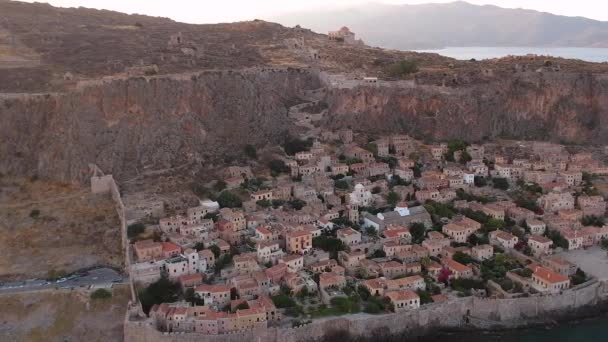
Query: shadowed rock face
(564,107)
(126,125)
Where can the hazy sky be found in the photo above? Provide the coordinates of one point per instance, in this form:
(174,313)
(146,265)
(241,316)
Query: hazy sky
(213,11)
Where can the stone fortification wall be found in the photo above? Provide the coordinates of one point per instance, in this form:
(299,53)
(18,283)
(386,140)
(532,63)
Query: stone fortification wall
(470,312)
(107,184)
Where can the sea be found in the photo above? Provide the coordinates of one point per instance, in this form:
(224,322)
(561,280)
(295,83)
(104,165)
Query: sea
(597,55)
(588,330)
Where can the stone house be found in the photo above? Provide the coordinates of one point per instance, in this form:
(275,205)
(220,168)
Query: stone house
(537,227)
(148,250)
(555,201)
(572,178)
(357,152)
(262,195)
(540,245)
(404,300)
(350,260)
(406,174)
(427,195)
(218,295)
(482,252)
(349,236)
(546,280)
(592,205)
(331,279)
(299,241)
(574,238)
(458,270)
(360,196)
(559,265)
(504,239)
(520,215)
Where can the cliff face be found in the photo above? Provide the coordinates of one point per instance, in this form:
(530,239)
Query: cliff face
(563,107)
(127,125)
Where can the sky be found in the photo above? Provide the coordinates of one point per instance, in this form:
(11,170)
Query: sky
(214,11)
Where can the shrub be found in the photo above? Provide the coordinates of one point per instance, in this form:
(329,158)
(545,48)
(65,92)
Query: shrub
(35,213)
(403,68)
(462,258)
(101,294)
(264,203)
(242,306)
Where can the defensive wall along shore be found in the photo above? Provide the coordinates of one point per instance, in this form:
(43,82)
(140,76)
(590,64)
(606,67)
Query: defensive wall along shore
(461,313)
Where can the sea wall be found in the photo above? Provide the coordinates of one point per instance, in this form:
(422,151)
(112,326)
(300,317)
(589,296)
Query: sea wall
(461,313)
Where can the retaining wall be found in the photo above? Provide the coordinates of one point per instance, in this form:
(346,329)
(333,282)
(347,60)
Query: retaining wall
(470,312)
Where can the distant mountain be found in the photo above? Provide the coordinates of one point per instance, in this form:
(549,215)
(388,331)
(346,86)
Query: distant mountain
(454,24)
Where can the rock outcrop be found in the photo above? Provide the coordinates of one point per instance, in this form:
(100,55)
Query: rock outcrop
(562,107)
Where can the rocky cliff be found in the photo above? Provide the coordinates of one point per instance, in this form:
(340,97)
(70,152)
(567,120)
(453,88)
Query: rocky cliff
(127,125)
(559,106)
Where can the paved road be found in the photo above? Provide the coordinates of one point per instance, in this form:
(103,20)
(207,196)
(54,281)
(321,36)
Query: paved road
(98,277)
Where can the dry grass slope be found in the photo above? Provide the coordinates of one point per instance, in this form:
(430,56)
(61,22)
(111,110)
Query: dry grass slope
(62,316)
(53,226)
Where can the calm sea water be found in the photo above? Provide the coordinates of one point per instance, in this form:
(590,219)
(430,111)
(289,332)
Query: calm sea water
(466,53)
(590,330)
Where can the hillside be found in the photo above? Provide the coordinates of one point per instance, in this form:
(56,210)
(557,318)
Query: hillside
(135,94)
(454,24)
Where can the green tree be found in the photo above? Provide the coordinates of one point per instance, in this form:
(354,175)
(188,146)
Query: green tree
(341,184)
(277,166)
(493,224)
(215,250)
(500,183)
(462,258)
(417,230)
(295,145)
(373,148)
(133,230)
(480,181)
(393,198)
(227,199)
(328,244)
(297,204)
(161,291)
(250,151)
(219,185)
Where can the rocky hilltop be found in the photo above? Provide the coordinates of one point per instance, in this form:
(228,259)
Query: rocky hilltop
(133,93)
